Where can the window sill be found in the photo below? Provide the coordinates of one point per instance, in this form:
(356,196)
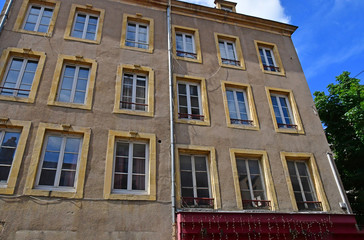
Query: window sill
(242,126)
(16,99)
(47,34)
(292,131)
(4,189)
(70,105)
(282,73)
(198,60)
(53,193)
(232,66)
(148,50)
(193,122)
(132,112)
(82,40)
(130,197)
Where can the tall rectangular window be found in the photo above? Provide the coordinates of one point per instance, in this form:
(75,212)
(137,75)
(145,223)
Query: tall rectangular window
(302,186)
(195,181)
(251,183)
(131,167)
(282,111)
(137,35)
(228,53)
(134,92)
(189,102)
(238,107)
(8,144)
(74,84)
(60,160)
(38,18)
(19,77)
(185,45)
(85,26)
(267,57)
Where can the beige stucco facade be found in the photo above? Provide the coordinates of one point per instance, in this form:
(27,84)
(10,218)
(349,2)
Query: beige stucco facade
(90,215)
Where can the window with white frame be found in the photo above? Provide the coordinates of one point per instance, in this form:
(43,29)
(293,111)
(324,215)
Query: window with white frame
(59,162)
(251,183)
(228,53)
(38,18)
(19,77)
(137,35)
(268,61)
(74,84)
(130,167)
(302,186)
(134,92)
(189,101)
(282,111)
(185,45)
(195,181)
(238,107)
(8,144)
(85,26)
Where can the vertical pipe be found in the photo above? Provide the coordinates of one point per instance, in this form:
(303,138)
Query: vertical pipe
(2,23)
(171,110)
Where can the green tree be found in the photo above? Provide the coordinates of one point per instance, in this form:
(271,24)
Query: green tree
(342,113)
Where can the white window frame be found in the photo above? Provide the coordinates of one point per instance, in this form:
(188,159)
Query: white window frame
(84,32)
(20,77)
(227,52)
(188,95)
(269,68)
(59,163)
(129,189)
(237,103)
(36,28)
(193,171)
(184,43)
(3,131)
(133,96)
(136,41)
(277,96)
(246,161)
(314,196)
(74,84)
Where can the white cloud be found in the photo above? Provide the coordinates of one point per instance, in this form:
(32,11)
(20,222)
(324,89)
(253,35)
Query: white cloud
(268,9)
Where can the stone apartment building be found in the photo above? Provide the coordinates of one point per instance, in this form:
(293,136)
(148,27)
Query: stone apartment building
(106,132)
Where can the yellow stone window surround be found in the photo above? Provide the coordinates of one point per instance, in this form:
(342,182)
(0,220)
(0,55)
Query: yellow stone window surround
(238,51)
(196,38)
(273,47)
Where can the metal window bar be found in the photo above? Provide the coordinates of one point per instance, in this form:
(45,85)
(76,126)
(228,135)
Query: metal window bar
(140,104)
(191,202)
(186,54)
(309,206)
(282,125)
(256,204)
(191,116)
(241,121)
(18,89)
(276,69)
(230,61)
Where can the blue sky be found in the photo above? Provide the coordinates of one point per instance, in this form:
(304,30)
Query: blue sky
(330,37)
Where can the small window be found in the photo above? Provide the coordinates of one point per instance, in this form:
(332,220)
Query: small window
(8,145)
(85,24)
(284,111)
(195,181)
(225,5)
(20,75)
(269,59)
(73,82)
(229,51)
(191,101)
(227,8)
(137,33)
(186,43)
(37,17)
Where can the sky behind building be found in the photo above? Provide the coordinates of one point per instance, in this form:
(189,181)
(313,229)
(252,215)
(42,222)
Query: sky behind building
(330,37)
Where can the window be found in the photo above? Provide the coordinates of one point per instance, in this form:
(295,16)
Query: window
(134,90)
(37,17)
(137,33)
(252,179)
(191,100)
(13,137)
(269,59)
(73,82)
(284,111)
(304,184)
(130,166)
(229,52)
(225,5)
(85,24)
(186,44)
(58,164)
(239,106)
(197,177)
(21,74)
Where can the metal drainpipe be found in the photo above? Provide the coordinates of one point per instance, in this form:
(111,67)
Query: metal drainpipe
(171,110)
(339,186)
(2,23)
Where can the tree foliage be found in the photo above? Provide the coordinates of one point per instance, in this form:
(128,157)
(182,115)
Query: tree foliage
(342,113)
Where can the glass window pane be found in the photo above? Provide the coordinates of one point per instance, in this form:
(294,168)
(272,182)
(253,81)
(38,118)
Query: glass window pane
(240,163)
(70,161)
(302,169)
(4,173)
(122,149)
(67,83)
(81,85)
(121,165)
(254,167)
(256,182)
(139,150)
(93,20)
(295,184)
(188,193)
(79,97)
(67,178)
(139,166)
(54,143)
(50,160)
(203,193)
(193,90)
(28,78)
(186,179)
(7,155)
(185,162)
(11,139)
(243,182)
(47,177)
(12,76)
(91,36)
(48,12)
(202,179)
(138,182)
(45,21)
(29,26)
(72,145)
(64,96)
(200,164)
(245,195)
(120,181)
(182,88)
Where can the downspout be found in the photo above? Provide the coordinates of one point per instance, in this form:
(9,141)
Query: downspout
(171,112)
(344,204)
(2,23)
